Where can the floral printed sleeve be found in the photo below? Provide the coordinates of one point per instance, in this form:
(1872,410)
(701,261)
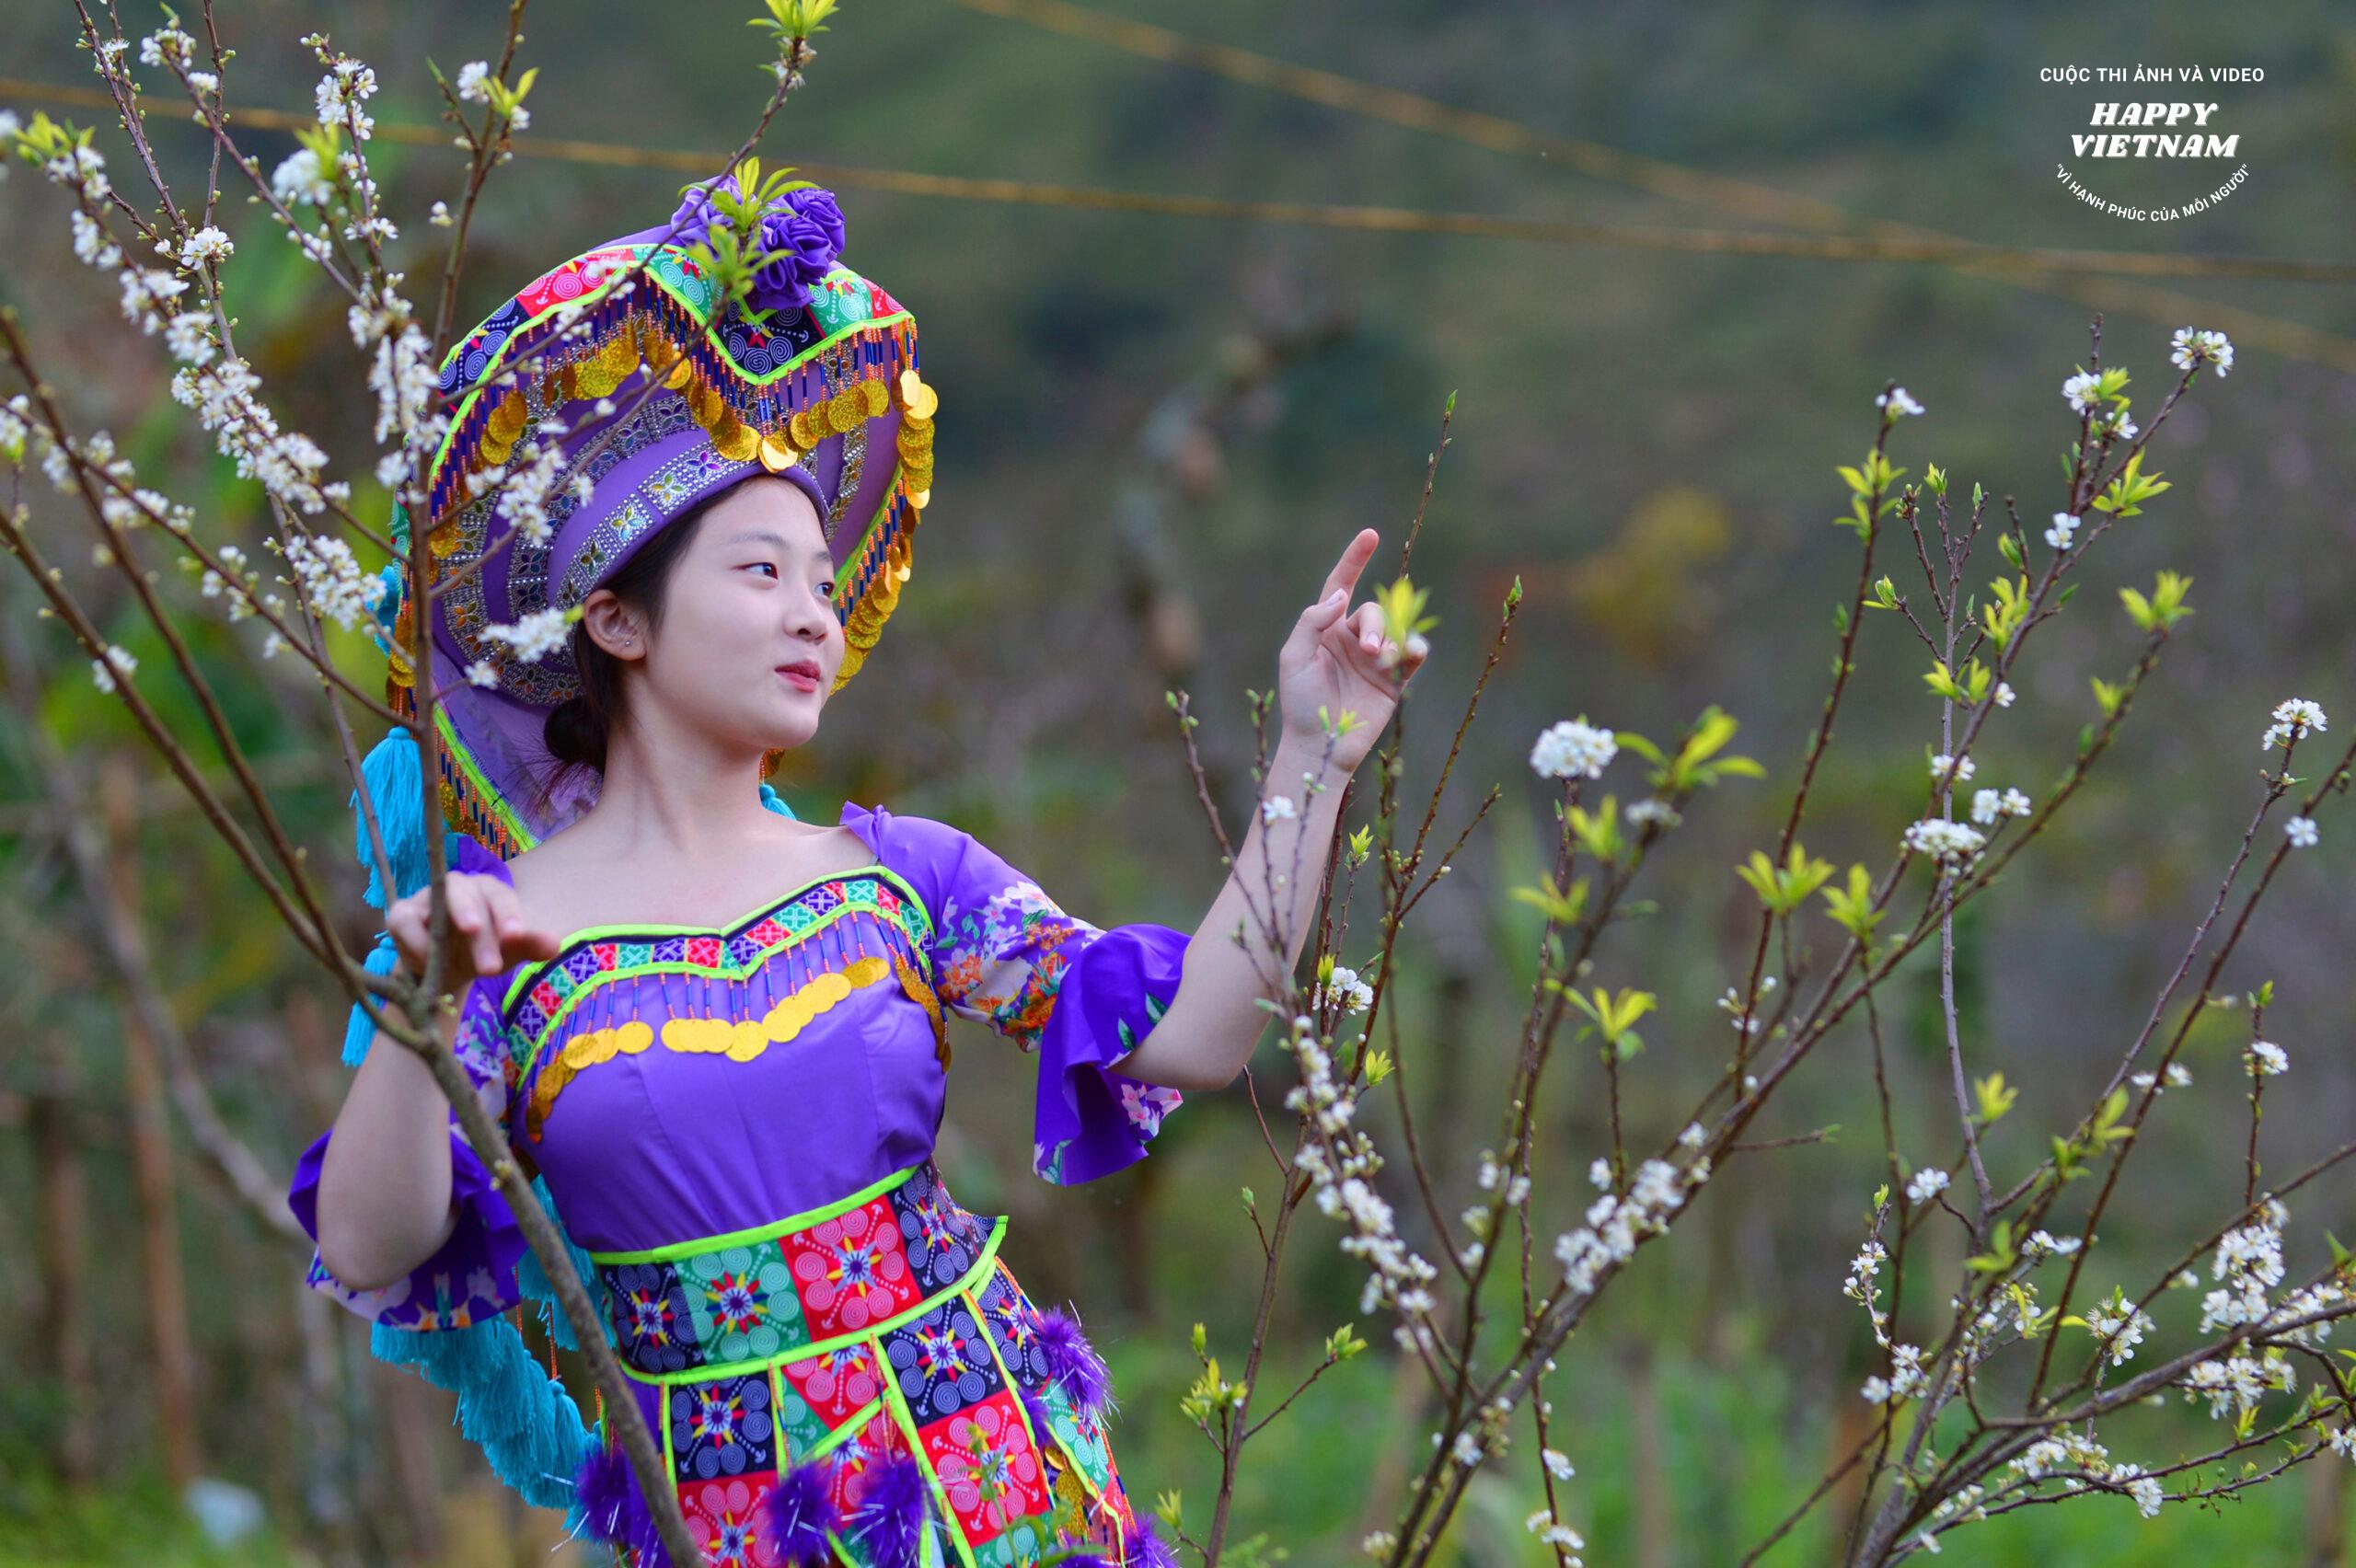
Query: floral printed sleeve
(1079,997)
(472,1277)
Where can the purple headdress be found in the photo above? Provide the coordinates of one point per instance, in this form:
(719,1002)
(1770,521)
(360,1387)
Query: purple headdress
(667,395)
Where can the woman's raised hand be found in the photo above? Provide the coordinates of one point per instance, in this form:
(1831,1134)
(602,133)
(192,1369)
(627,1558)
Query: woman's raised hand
(488,934)
(1336,659)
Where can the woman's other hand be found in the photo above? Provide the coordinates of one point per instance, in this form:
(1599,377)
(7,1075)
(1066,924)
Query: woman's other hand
(1338,658)
(488,934)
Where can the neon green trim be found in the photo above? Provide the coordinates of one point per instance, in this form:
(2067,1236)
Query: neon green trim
(882,510)
(528,977)
(840,1434)
(496,802)
(806,1218)
(642,267)
(803,1352)
(1022,1406)
(924,1464)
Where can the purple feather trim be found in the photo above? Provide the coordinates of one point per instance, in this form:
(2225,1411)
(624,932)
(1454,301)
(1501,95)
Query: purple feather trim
(606,1490)
(615,1509)
(1152,1551)
(890,1518)
(1073,1363)
(801,1512)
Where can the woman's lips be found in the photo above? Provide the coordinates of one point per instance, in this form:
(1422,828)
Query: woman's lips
(800,680)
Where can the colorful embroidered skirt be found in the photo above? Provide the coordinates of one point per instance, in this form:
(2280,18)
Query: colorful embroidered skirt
(882,1325)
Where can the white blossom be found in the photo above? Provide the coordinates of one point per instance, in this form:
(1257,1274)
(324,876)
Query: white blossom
(2079,390)
(2004,694)
(144,293)
(165,45)
(300,181)
(1557,1465)
(2190,348)
(1355,995)
(1987,805)
(2065,523)
(207,243)
(1897,402)
(2294,719)
(119,658)
(189,336)
(2302,832)
(474,77)
(543,631)
(2119,1326)
(1573,749)
(1927,1184)
(340,92)
(1944,841)
(339,591)
(1278,808)
(2266,1059)
(90,241)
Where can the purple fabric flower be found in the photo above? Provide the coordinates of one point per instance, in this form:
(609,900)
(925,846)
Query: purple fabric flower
(804,226)
(695,214)
(806,247)
(817,203)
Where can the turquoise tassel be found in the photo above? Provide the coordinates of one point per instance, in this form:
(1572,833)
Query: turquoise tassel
(774,801)
(396,783)
(383,959)
(525,1423)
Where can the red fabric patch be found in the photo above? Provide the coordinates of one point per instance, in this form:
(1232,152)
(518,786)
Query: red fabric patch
(851,1271)
(726,1520)
(987,1468)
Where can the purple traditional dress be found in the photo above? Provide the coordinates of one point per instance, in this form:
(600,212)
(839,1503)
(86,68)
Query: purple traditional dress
(737,1124)
(734,1127)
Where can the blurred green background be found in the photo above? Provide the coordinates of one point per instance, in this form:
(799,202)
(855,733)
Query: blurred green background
(1157,433)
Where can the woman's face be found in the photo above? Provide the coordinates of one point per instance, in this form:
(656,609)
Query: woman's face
(749,645)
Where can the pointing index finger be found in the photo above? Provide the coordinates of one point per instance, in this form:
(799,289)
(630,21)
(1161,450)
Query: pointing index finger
(1355,554)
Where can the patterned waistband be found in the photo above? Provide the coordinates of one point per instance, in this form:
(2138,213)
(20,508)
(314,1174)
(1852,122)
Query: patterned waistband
(808,1284)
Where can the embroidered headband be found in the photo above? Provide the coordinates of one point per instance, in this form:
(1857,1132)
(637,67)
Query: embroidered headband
(821,390)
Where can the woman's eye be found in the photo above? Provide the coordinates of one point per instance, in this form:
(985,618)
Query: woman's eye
(771,564)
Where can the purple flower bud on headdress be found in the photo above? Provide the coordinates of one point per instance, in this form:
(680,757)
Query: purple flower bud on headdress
(817,203)
(695,214)
(808,235)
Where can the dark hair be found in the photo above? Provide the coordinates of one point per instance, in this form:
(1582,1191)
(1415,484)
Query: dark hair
(577,729)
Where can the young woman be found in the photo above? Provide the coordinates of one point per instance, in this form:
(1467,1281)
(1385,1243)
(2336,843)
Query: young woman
(714,1034)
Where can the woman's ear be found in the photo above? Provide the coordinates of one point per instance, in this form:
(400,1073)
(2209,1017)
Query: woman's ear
(612,625)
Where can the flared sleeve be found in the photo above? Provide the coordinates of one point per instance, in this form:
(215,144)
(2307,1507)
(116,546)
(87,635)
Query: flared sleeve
(1078,995)
(472,1277)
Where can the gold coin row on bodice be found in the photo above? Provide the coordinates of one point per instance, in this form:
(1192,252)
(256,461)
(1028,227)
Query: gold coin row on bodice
(739,1040)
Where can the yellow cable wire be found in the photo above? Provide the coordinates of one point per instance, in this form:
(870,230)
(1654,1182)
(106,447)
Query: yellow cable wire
(1414,111)
(2007,262)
